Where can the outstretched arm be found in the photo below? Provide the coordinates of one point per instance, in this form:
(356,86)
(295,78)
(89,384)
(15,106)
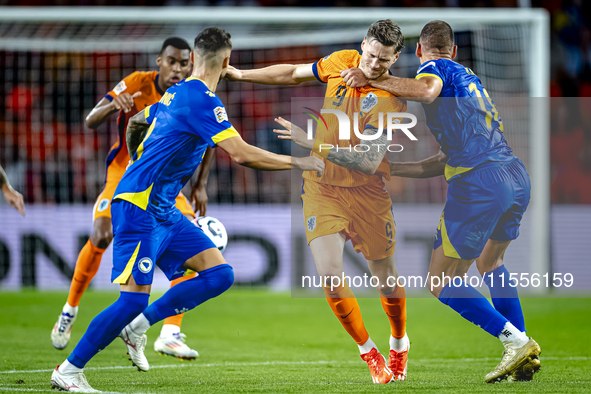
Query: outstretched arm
(424,90)
(14,198)
(280,74)
(262,160)
(105,108)
(136,131)
(428,168)
(366,160)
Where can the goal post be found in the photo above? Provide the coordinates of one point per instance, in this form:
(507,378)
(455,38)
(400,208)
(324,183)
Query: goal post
(143,29)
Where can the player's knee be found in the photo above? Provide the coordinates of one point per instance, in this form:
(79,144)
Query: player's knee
(224,279)
(101,238)
(330,270)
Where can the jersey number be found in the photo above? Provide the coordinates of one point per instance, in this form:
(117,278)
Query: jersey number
(341,91)
(493,113)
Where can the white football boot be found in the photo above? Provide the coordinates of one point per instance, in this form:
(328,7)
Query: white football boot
(60,335)
(75,382)
(136,345)
(174,345)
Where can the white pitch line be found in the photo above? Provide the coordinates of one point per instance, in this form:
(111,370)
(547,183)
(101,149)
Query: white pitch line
(3,387)
(247,364)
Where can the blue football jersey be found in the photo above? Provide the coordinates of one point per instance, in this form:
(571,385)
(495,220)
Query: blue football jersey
(463,119)
(187,119)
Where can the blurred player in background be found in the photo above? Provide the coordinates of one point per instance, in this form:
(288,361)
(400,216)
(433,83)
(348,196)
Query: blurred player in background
(168,141)
(13,198)
(134,93)
(349,201)
(488,193)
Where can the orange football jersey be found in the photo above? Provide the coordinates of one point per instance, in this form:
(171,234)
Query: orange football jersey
(349,100)
(139,81)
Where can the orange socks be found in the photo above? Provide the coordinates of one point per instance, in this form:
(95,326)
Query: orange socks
(177,319)
(87,265)
(344,305)
(395,308)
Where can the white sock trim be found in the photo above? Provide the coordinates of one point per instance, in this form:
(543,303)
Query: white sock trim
(67,369)
(69,309)
(169,329)
(399,345)
(140,324)
(367,346)
(512,337)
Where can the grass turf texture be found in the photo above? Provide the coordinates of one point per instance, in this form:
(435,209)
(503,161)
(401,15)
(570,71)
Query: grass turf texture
(254,341)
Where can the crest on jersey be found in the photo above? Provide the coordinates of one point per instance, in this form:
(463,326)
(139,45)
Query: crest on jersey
(326,57)
(145,265)
(220,114)
(120,88)
(104,204)
(368,102)
(311,223)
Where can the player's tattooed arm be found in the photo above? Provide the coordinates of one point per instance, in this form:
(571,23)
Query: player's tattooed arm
(136,131)
(365,160)
(428,168)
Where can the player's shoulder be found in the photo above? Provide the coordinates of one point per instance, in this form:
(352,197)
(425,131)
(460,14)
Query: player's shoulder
(345,58)
(198,90)
(142,76)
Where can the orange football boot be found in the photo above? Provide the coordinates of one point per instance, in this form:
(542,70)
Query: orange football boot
(380,373)
(397,362)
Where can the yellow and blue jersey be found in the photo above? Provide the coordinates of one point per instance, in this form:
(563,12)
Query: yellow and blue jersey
(464,119)
(187,119)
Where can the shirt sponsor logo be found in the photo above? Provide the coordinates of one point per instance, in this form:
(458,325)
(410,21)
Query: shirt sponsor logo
(220,114)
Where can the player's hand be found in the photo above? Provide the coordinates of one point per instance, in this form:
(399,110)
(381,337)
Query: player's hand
(124,101)
(14,198)
(199,199)
(310,163)
(354,77)
(293,133)
(233,74)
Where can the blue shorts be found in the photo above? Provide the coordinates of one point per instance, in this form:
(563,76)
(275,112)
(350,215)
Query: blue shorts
(140,241)
(486,203)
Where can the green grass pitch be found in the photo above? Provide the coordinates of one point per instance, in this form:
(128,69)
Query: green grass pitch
(256,341)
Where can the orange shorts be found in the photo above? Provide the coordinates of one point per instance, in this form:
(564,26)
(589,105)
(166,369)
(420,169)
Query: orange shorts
(102,207)
(363,214)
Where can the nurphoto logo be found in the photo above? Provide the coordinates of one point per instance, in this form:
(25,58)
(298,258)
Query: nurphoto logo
(392,123)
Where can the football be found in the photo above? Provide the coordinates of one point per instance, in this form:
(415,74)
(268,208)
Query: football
(214,229)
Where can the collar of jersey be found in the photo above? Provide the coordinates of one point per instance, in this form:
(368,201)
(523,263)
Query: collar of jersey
(157,86)
(194,79)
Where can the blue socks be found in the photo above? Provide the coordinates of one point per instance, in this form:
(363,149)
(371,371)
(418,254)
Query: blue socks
(504,297)
(472,306)
(107,325)
(188,294)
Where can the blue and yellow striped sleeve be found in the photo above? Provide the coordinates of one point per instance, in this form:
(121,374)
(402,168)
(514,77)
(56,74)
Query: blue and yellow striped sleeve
(431,69)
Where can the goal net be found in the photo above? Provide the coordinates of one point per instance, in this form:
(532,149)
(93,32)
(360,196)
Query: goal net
(57,63)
